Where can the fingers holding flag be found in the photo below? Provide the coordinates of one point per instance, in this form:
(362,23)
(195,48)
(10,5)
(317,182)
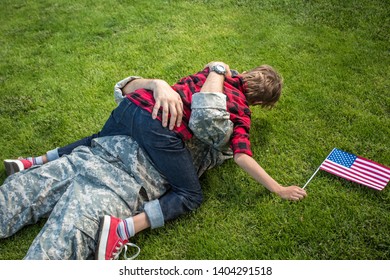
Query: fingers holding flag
(293,193)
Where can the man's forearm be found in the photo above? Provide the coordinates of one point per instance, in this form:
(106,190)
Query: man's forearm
(213,83)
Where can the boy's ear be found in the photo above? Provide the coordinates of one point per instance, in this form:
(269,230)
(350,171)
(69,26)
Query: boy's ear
(257,103)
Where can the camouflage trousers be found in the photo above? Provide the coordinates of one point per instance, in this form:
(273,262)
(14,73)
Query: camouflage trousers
(111,178)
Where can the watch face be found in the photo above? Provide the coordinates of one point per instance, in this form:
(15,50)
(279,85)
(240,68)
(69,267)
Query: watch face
(220,69)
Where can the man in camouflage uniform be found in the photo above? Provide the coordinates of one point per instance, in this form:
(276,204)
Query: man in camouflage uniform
(113,177)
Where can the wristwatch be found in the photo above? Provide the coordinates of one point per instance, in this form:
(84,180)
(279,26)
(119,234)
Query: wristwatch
(219,69)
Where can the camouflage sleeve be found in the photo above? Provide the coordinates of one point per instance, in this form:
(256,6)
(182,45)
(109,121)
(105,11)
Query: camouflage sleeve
(210,121)
(118,96)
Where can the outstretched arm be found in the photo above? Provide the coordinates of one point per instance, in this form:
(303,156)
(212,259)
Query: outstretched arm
(248,164)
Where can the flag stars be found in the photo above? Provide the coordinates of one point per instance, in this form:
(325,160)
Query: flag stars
(343,158)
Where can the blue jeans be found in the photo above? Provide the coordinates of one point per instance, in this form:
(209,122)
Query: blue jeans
(166,150)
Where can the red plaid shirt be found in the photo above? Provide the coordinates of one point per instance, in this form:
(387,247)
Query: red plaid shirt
(237,106)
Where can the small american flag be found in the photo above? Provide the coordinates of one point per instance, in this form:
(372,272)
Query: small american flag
(357,169)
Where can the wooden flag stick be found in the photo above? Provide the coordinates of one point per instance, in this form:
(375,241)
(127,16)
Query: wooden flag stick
(312,176)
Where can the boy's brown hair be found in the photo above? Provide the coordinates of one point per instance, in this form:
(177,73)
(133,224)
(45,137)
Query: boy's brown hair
(263,86)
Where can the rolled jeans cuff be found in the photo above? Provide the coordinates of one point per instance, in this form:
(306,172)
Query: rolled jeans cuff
(52,154)
(154,213)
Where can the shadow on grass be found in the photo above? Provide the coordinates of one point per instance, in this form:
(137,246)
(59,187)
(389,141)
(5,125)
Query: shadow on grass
(228,183)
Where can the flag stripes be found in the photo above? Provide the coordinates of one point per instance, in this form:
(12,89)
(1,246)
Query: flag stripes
(356,169)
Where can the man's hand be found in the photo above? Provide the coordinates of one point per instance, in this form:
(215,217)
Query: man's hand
(166,98)
(169,102)
(292,193)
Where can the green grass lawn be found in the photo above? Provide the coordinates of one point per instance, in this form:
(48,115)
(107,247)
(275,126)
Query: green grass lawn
(60,60)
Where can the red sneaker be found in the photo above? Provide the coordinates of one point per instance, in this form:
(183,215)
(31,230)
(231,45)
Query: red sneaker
(15,165)
(110,245)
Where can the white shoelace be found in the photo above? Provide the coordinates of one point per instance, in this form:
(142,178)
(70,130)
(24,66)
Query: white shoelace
(119,250)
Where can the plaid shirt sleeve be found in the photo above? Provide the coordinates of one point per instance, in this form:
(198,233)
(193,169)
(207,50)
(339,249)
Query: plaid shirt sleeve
(240,115)
(241,118)
(240,139)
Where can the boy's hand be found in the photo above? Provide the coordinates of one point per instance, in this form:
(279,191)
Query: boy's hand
(292,193)
(258,173)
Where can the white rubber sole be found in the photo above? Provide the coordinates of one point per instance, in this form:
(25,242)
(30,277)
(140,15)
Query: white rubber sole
(103,237)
